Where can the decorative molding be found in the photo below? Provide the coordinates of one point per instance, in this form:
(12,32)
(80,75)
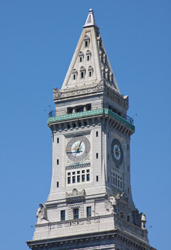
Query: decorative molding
(103,85)
(77,165)
(95,112)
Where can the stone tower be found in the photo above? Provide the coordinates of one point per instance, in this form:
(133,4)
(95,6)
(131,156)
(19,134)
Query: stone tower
(90,204)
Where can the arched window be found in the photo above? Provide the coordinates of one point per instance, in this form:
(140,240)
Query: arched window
(82,72)
(81,56)
(74,74)
(88,54)
(90,70)
(86,41)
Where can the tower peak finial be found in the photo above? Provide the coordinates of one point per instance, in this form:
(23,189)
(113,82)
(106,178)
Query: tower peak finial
(90,19)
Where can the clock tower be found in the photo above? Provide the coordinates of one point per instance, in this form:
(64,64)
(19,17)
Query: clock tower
(90,203)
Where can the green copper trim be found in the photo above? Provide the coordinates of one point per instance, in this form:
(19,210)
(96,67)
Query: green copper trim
(90,113)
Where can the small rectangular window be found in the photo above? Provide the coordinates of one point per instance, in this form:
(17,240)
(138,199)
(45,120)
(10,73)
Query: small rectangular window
(69,180)
(128,168)
(57,184)
(97,155)
(73,179)
(96,133)
(57,140)
(128,218)
(62,214)
(78,178)
(83,178)
(88,177)
(69,126)
(97,178)
(88,211)
(76,213)
(57,161)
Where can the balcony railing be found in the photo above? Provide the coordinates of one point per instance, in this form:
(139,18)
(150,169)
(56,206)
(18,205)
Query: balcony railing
(52,113)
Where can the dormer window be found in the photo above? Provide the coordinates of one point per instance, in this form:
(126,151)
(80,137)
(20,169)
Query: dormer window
(82,72)
(90,71)
(86,41)
(81,56)
(74,74)
(88,54)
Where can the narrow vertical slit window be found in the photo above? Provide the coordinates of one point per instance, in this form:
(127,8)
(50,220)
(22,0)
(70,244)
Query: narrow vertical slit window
(97,155)
(96,133)
(97,178)
(82,74)
(57,161)
(88,211)
(57,184)
(62,214)
(58,140)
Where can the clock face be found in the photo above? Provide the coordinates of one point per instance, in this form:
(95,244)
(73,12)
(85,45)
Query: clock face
(117,152)
(78,148)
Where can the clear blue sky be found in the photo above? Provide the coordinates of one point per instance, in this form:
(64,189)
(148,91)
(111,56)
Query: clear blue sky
(37,41)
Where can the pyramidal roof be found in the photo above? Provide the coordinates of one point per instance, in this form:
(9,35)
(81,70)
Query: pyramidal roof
(90,63)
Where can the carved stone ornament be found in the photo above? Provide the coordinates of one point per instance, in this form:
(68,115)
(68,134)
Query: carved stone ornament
(56,93)
(143,220)
(75,192)
(41,213)
(109,204)
(100,85)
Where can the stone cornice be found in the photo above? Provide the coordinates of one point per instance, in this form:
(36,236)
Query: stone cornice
(91,113)
(101,87)
(112,237)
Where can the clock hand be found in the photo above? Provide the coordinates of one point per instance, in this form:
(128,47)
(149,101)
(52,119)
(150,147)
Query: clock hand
(71,148)
(79,145)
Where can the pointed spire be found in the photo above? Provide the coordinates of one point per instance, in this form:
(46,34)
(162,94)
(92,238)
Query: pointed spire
(90,19)
(90,63)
